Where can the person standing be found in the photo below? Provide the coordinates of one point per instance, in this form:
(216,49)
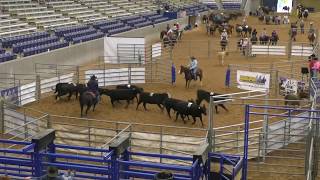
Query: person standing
(173,74)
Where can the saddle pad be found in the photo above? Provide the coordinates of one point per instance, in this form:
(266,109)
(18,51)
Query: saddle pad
(151,94)
(189,104)
(128,85)
(211,93)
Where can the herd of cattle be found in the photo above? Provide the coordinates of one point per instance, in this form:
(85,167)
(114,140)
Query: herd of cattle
(129,93)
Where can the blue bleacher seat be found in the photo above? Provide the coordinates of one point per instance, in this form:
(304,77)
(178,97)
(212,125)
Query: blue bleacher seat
(44,48)
(18,48)
(8,42)
(7,57)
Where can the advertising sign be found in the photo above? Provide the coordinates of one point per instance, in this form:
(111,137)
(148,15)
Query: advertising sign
(247,80)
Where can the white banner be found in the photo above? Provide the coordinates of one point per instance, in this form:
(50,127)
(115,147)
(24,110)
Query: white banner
(135,47)
(288,86)
(247,80)
(283,3)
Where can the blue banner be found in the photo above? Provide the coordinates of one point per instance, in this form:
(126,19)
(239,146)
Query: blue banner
(10,95)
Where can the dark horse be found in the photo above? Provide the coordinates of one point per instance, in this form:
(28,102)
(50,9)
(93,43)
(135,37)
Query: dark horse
(188,76)
(274,39)
(88,99)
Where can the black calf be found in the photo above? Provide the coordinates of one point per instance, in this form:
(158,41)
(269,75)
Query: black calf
(152,98)
(205,95)
(64,89)
(119,94)
(135,88)
(187,108)
(169,103)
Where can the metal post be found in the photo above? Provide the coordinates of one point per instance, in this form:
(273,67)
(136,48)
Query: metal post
(210,123)
(209,47)
(289,45)
(38,87)
(161,133)
(25,124)
(77,74)
(265,128)
(49,124)
(246,141)
(276,83)
(2,128)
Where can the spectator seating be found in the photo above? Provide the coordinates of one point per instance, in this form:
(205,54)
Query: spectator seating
(64,30)
(112,27)
(7,57)
(119,30)
(44,48)
(12,26)
(98,24)
(70,36)
(231,4)
(35,14)
(18,48)
(156,18)
(88,37)
(2,51)
(76,10)
(9,41)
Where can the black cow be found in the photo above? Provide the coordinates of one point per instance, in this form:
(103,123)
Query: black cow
(188,108)
(152,98)
(135,88)
(69,88)
(205,95)
(119,94)
(64,89)
(169,103)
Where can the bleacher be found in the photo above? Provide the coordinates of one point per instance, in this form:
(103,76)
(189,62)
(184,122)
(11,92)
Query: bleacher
(211,4)
(44,48)
(231,4)
(12,26)
(75,10)
(34,14)
(21,20)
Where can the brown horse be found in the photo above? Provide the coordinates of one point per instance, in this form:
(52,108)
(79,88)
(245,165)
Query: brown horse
(188,76)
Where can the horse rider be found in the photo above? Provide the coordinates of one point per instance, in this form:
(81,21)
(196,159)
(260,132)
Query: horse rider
(224,35)
(193,66)
(254,32)
(93,86)
(311,28)
(274,33)
(245,44)
(264,33)
(302,26)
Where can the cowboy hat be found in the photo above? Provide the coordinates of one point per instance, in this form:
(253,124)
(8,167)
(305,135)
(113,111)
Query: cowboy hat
(93,77)
(52,171)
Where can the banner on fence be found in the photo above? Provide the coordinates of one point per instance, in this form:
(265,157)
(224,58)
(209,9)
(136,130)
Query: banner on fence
(247,80)
(288,86)
(10,94)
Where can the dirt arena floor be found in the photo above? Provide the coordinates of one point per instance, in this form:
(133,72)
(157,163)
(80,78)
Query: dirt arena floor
(214,78)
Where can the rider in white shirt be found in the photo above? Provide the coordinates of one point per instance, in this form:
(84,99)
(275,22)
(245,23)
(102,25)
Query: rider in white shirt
(224,34)
(193,67)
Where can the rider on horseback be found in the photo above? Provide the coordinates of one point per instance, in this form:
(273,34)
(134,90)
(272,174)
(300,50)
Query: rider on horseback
(193,66)
(264,33)
(311,29)
(93,87)
(224,35)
